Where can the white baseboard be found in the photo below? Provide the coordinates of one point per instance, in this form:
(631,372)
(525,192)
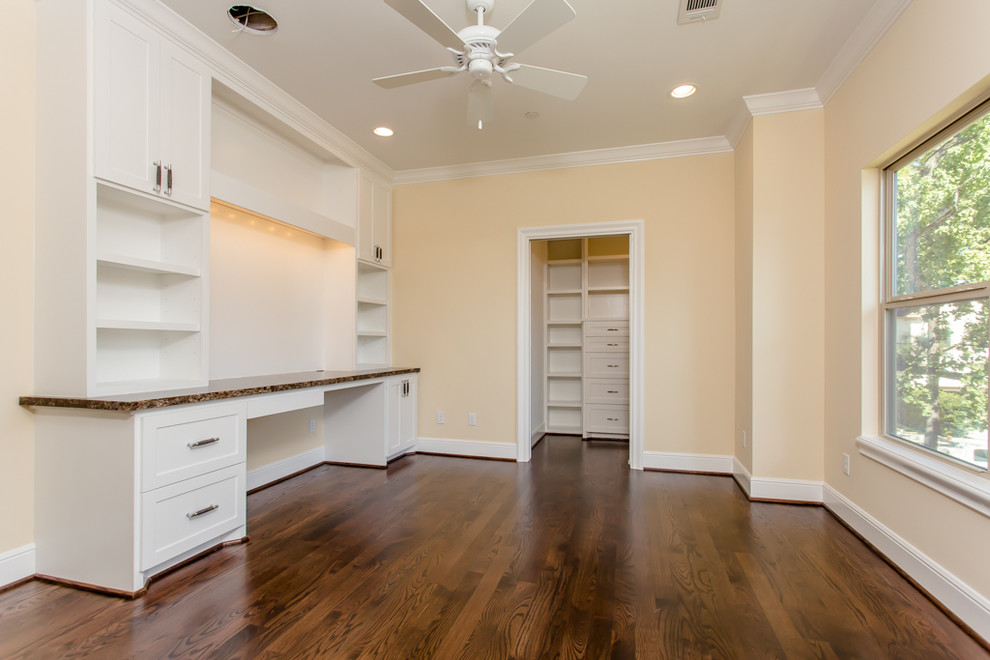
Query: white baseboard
(538,433)
(474,448)
(275,471)
(742,476)
(958,597)
(785,490)
(666,460)
(17,564)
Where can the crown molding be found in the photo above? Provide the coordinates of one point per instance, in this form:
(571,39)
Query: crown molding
(789,101)
(677,149)
(867,34)
(234,73)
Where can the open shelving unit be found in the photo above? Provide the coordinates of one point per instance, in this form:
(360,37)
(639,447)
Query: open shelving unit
(372,319)
(150,307)
(585,280)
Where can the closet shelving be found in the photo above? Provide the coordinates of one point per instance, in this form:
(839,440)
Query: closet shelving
(372,315)
(587,280)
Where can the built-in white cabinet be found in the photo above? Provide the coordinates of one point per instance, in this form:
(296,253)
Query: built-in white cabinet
(375,219)
(400,435)
(121,498)
(151,106)
(587,337)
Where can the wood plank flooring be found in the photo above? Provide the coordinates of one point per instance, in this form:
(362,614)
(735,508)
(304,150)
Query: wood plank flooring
(570,556)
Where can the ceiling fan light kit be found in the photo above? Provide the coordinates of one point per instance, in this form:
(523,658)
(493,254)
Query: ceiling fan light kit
(483,50)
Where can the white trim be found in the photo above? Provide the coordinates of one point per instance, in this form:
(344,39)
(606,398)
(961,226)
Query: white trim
(538,433)
(635,229)
(279,470)
(867,34)
(742,476)
(955,595)
(788,490)
(473,448)
(954,481)
(789,101)
(17,564)
(678,462)
(676,149)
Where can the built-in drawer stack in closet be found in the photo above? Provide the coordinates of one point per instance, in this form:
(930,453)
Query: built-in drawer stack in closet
(587,337)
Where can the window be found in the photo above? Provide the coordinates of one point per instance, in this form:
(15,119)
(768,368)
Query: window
(936,305)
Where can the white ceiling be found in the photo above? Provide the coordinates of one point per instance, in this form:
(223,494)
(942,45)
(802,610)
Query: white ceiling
(326,52)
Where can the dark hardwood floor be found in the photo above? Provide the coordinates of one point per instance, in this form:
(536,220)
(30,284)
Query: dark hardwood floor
(570,556)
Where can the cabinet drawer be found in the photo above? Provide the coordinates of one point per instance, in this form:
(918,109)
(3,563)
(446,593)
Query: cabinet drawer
(606,419)
(605,365)
(184,444)
(606,391)
(606,329)
(181,516)
(607,344)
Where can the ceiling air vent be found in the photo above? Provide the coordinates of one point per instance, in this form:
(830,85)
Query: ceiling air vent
(696,11)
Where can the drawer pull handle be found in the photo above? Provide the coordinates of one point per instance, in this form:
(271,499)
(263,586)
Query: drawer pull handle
(202,443)
(196,514)
(613,391)
(613,366)
(612,419)
(611,344)
(611,330)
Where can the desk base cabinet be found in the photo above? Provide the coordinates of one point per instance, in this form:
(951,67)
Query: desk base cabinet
(101,524)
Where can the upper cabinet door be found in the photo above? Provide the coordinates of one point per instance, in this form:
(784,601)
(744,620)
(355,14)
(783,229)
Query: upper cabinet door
(374,222)
(151,111)
(186,87)
(127,103)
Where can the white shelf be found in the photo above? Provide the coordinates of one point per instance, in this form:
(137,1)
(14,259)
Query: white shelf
(372,333)
(563,404)
(147,265)
(372,301)
(563,374)
(157,326)
(564,345)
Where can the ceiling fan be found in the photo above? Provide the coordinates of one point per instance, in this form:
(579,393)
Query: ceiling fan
(483,50)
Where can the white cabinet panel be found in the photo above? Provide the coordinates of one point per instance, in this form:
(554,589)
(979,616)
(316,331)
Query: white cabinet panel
(179,517)
(375,221)
(127,105)
(151,111)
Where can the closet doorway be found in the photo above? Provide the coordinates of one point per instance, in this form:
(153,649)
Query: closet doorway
(579,348)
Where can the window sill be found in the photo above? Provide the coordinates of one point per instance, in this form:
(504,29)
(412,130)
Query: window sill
(962,485)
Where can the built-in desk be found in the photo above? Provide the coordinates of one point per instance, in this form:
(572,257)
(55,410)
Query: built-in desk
(129,486)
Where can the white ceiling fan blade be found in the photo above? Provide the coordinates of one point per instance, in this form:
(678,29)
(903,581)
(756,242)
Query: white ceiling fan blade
(536,21)
(480,106)
(423,17)
(401,79)
(549,81)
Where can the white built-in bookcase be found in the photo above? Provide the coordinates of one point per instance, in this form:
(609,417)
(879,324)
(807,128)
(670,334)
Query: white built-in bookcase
(587,279)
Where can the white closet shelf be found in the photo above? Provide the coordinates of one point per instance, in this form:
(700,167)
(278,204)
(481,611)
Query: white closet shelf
(608,289)
(155,326)
(564,345)
(563,374)
(372,301)
(563,404)
(147,265)
(372,333)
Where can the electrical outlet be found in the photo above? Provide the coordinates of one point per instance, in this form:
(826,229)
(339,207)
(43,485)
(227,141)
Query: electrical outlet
(312,426)
(845,463)
(744,439)
(440,417)
(472,419)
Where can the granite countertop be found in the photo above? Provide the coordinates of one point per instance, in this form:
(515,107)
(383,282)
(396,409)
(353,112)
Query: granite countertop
(228,388)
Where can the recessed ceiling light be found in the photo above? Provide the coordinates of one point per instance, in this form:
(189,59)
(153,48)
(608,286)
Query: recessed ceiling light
(683,91)
(532,115)
(252,20)
(384,131)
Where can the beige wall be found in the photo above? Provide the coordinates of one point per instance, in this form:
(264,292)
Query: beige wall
(788,295)
(17,275)
(931,63)
(744,299)
(454,292)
